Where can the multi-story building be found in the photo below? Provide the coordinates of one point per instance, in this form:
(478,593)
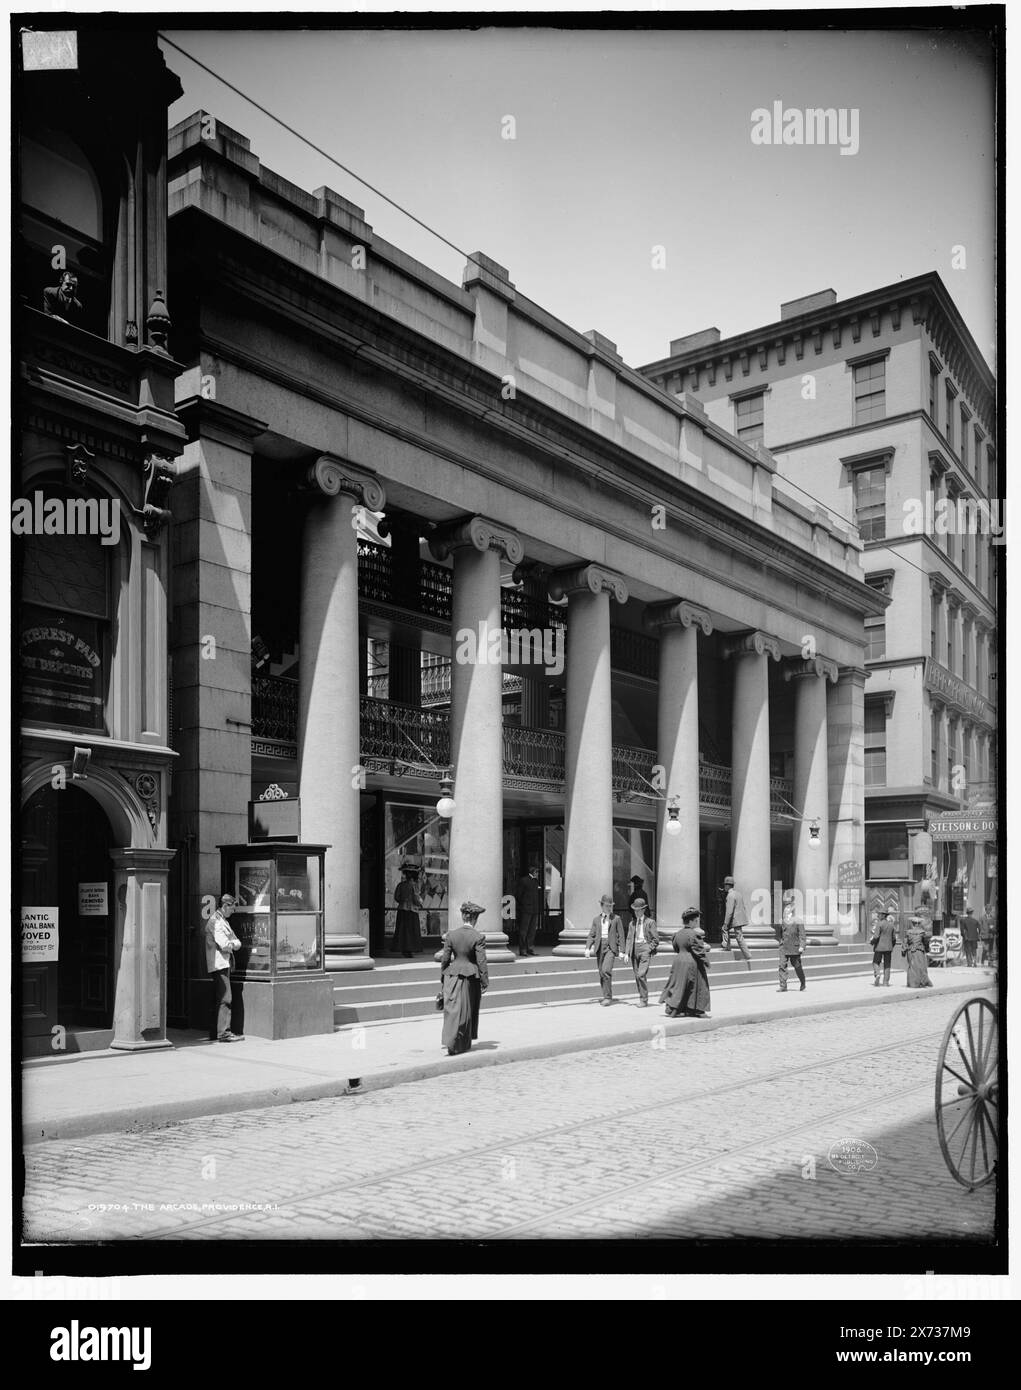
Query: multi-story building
(880,410)
(393,486)
(96,436)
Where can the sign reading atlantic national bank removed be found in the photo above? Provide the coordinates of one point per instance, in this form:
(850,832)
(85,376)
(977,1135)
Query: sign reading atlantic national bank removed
(962,827)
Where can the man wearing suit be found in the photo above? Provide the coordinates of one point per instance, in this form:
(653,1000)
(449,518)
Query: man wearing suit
(735,919)
(884,938)
(641,945)
(969,936)
(792,941)
(528,911)
(606,941)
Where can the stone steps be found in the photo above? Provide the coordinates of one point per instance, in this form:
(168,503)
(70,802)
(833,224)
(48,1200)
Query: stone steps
(409,990)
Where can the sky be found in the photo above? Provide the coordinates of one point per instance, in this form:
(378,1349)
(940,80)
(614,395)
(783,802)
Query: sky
(626,141)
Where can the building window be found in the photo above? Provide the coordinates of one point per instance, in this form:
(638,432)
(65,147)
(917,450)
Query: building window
(886,852)
(62,205)
(979,476)
(875,628)
(933,393)
(749,412)
(870,391)
(965,417)
(870,502)
(875,743)
(935,602)
(966,653)
(951,752)
(65,614)
(936,718)
(949,427)
(952,640)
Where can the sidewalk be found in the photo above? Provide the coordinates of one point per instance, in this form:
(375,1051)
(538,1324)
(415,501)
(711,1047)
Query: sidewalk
(109,1092)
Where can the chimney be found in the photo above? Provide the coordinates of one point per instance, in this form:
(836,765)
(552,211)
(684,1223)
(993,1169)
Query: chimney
(822,299)
(706,337)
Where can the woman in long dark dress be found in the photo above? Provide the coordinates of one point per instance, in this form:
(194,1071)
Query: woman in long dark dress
(464,976)
(915,949)
(407,932)
(687,988)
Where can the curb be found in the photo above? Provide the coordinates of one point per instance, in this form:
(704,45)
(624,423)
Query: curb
(157,1116)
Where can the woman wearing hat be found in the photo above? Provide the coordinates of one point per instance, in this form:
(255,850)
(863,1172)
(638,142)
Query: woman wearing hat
(464,978)
(687,988)
(407,933)
(916,954)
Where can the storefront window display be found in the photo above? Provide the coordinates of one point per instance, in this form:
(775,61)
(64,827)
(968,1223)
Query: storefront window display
(285,886)
(416,834)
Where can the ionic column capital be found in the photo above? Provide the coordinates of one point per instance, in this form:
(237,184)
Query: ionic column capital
(332,476)
(752,643)
(795,669)
(678,613)
(479,533)
(591,579)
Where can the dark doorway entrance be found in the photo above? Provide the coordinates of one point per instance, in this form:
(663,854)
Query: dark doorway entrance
(65,846)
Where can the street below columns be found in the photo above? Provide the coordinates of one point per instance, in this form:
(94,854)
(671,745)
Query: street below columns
(738,1134)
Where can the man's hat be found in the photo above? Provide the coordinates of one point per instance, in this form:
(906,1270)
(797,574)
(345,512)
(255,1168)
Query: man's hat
(471,909)
(728,879)
(636,878)
(606,898)
(409,866)
(228,900)
(639,902)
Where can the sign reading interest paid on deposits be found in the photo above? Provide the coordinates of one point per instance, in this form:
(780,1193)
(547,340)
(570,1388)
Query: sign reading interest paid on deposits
(39,938)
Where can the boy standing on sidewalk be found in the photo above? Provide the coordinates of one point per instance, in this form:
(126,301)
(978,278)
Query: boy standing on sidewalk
(221,943)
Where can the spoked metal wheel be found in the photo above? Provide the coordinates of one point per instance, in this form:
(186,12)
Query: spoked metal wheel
(967,1090)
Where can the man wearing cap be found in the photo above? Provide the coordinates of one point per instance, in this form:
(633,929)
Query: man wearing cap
(791,933)
(735,918)
(883,940)
(221,943)
(968,926)
(641,945)
(606,940)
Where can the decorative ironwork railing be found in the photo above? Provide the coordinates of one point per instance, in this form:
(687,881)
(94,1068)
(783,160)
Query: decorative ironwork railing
(537,755)
(275,708)
(394,736)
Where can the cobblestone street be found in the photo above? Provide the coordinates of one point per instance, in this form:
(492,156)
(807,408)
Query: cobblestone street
(725,1134)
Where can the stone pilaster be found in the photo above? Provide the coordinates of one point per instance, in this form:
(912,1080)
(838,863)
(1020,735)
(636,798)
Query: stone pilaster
(751,860)
(588,813)
(140,948)
(476,720)
(329,750)
(677,871)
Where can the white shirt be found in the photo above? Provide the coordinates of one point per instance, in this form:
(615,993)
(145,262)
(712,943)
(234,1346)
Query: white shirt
(606,926)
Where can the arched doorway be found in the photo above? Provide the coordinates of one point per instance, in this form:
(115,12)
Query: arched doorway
(66,840)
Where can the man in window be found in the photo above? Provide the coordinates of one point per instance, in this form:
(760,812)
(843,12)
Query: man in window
(61,301)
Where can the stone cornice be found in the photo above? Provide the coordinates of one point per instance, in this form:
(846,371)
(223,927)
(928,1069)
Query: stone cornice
(332,476)
(479,533)
(591,579)
(794,668)
(677,614)
(752,643)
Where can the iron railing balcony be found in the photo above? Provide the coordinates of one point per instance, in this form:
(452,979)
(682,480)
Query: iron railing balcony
(403,740)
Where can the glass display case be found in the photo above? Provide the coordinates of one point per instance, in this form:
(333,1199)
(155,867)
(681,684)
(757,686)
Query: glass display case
(279,912)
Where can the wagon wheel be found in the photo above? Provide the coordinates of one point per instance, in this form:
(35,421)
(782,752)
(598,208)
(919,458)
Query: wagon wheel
(967,1094)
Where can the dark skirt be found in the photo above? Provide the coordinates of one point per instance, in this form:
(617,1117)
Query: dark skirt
(407,933)
(687,988)
(918,968)
(462,995)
